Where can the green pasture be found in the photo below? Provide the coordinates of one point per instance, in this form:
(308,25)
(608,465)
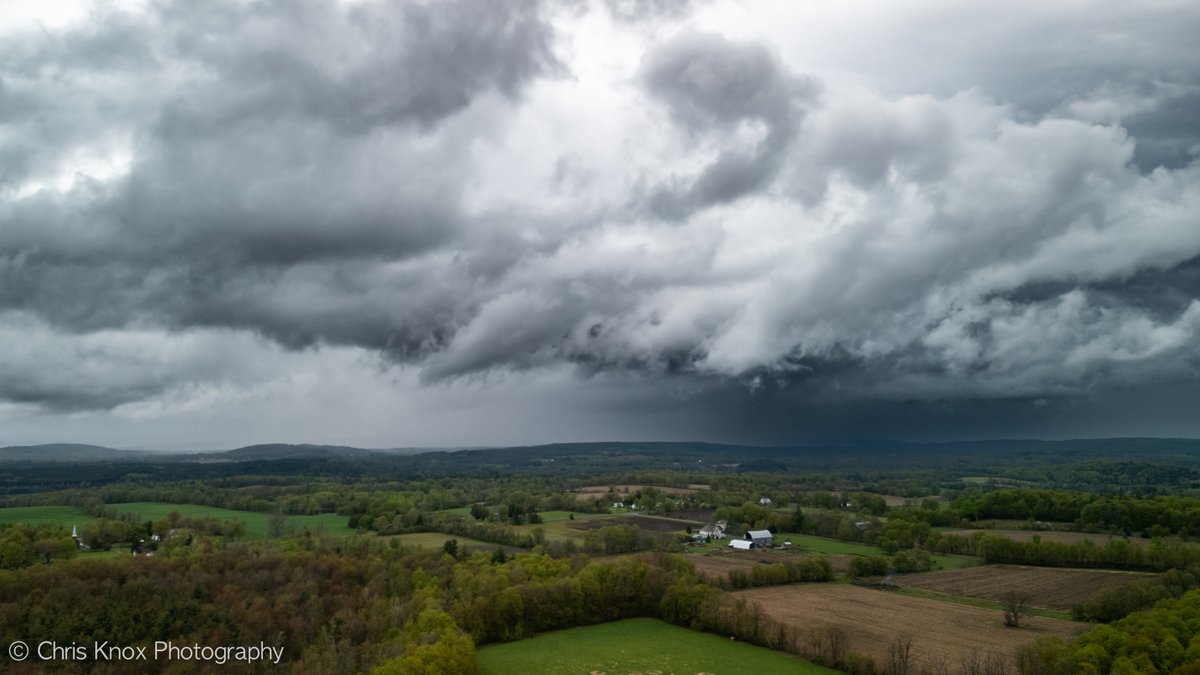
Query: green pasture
(256,523)
(438,539)
(41,515)
(557,524)
(636,646)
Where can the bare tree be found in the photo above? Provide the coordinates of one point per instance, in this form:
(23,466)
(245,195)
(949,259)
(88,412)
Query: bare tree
(1016,605)
(900,655)
(971,664)
(936,664)
(996,664)
(835,641)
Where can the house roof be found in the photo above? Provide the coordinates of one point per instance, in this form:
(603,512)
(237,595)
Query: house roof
(759,534)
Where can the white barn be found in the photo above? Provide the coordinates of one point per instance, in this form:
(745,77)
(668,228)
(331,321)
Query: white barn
(760,538)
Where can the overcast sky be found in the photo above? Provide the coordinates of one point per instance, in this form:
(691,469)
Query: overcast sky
(484,222)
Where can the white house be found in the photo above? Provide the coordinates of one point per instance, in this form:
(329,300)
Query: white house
(714,530)
(765,501)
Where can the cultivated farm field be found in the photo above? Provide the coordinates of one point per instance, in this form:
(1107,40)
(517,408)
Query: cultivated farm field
(870,620)
(1049,587)
(636,646)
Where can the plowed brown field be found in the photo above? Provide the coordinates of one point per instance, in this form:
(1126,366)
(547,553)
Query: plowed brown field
(1051,588)
(871,619)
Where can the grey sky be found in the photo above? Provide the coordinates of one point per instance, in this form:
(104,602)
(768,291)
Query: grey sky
(468,222)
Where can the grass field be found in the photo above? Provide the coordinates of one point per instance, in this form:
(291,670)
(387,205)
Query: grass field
(560,529)
(438,539)
(39,515)
(636,646)
(558,525)
(256,523)
(871,620)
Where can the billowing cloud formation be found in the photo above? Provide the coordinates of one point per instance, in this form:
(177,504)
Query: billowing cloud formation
(468,189)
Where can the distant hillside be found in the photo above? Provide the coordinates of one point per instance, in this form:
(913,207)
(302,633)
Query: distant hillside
(272,451)
(67,452)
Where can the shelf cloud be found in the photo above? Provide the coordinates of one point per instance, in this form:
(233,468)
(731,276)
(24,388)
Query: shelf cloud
(607,211)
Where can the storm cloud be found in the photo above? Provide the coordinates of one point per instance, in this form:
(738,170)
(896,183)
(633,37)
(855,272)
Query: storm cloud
(667,207)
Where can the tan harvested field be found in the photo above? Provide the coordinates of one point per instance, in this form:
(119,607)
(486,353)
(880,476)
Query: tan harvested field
(1052,535)
(1050,588)
(647,523)
(599,491)
(719,565)
(870,620)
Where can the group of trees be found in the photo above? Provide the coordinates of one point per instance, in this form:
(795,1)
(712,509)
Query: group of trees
(24,545)
(1157,515)
(1165,639)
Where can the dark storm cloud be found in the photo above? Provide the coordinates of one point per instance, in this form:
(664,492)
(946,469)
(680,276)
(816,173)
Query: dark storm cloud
(292,163)
(439,184)
(714,88)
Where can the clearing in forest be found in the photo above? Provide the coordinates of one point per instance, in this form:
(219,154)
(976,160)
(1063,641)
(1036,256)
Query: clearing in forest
(642,646)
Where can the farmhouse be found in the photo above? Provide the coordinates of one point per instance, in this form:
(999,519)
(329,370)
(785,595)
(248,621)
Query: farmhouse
(759,538)
(714,530)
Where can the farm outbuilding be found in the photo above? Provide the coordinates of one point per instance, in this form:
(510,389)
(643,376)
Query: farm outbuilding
(760,538)
(740,544)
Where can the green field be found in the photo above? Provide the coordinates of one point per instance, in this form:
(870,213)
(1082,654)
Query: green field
(39,515)
(256,523)
(438,539)
(557,524)
(636,646)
